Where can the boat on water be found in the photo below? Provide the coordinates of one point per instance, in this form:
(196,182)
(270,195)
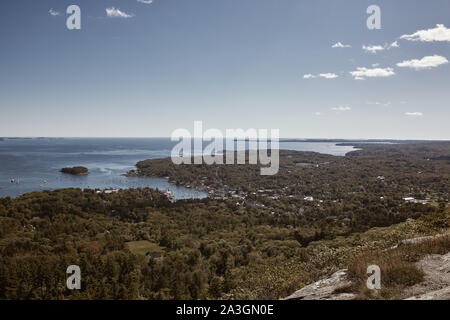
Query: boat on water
(169,193)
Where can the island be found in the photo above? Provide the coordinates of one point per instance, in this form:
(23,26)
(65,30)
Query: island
(76,171)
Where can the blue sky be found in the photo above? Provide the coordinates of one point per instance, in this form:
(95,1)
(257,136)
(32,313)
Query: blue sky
(229,63)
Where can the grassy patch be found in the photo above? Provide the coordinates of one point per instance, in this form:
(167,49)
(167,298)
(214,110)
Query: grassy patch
(303,164)
(398,269)
(143,246)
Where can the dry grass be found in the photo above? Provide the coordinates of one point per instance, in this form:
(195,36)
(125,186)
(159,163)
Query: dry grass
(142,247)
(397,265)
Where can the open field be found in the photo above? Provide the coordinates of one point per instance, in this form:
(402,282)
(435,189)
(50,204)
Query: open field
(142,247)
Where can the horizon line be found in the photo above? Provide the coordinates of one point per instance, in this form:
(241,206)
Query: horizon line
(168,137)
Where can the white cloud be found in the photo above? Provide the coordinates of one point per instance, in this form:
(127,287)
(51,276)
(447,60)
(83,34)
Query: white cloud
(440,33)
(321,75)
(414,114)
(116,13)
(375,65)
(53,12)
(340,45)
(394,45)
(328,75)
(145,1)
(362,73)
(318,113)
(341,108)
(424,63)
(373,49)
(377,103)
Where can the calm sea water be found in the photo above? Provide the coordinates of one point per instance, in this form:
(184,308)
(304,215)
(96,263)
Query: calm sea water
(35,163)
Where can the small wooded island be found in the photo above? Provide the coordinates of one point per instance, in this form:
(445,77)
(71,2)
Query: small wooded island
(76,171)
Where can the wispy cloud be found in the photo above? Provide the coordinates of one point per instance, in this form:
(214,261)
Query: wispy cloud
(145,1)
(340,45)
(376,48)
(318,114)
(440,33)
(328,75)
(377,103)
(414,114)
(116,13)
(361,73)
(424,63)
(341,108)
(53,12)
(394,45)
(372,49)
(320,75)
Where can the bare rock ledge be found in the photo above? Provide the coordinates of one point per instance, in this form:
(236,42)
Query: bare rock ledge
(325,289)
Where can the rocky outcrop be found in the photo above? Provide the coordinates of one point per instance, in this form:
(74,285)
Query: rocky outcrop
(442,294)
(436,285)
(330,288)
(421,239)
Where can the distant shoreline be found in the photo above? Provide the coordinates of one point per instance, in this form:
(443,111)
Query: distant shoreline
(335,140)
